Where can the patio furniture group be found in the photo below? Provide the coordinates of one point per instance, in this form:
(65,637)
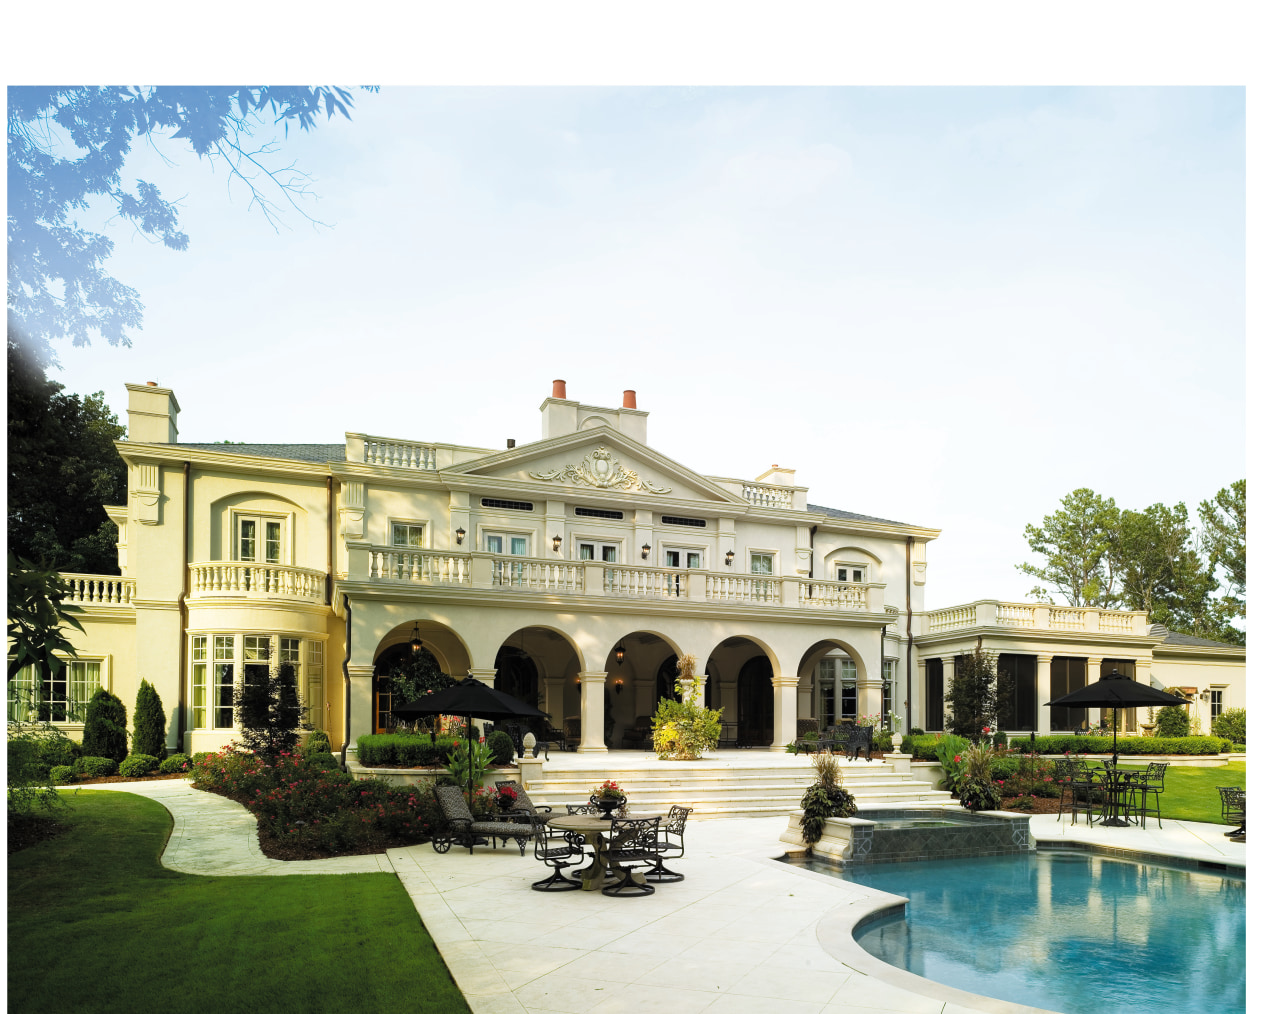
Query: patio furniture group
(1121,796)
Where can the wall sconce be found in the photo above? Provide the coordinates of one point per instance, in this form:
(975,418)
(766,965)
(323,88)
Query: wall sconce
(619,653)
(644,551)
(579,682)
(555,542)
(416,643)
(617,686)
(461,534)
(728,558)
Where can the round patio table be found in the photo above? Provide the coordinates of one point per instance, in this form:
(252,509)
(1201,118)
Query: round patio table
(1116,785)
(595,828)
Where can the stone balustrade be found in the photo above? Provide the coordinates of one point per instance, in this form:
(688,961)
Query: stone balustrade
(87,590)
(1034,616)
(392,453)
(767,496)
(257,580)
(595,578)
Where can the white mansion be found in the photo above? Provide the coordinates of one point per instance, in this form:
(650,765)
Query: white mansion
(571,571)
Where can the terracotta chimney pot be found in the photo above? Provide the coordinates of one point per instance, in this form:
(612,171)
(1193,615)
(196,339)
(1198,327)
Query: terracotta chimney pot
(628,399)
(557,389)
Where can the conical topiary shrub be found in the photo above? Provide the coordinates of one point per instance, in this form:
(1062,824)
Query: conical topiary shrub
(105,730)
(148,722)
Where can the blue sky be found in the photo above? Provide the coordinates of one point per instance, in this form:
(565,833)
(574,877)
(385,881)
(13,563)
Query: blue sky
(948,306)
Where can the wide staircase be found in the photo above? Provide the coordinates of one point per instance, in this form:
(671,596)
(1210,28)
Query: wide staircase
(717,789)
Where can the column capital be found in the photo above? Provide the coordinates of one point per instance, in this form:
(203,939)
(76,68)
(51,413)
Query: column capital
(1044,658)
(593,677)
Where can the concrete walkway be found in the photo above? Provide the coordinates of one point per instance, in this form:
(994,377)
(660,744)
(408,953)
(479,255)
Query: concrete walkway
(741,933)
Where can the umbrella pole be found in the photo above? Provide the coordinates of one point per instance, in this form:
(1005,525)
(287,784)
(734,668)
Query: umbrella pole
(1115,743)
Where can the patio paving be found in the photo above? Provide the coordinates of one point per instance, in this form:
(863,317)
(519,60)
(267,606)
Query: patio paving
(741,933)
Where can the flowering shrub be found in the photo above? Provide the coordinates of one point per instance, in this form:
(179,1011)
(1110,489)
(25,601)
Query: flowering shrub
(976,789)
(321,808)
(609,790)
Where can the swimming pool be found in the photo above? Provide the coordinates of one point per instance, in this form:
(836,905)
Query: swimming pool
(1066,930)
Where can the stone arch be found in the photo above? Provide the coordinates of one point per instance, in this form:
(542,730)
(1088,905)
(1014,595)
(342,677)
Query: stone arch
(822,706)
(853,553)
(743,668)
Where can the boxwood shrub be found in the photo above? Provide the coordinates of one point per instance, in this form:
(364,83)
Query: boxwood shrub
(138,764)
(1126,745)
(96,767)
(501,747)
(62,774)
(175,764)
(404,750)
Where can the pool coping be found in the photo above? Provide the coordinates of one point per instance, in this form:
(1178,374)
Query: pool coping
(836,929)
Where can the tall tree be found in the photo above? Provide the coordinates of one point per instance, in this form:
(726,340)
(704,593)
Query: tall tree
(62,467)
(1222,539)
(67,147)
(1079,545)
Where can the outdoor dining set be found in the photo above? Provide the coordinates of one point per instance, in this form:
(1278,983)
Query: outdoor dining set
(620,856)
(1122,796)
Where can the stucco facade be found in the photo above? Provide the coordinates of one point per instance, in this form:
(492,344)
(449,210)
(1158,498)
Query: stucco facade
(529,567)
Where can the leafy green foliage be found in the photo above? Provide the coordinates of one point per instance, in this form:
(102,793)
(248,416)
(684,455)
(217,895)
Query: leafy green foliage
(37,615)
(1078,543)
(1172,721)
(317,742)
(977,788)
(67,148)
(1195,746)
(148,722)
(468,764)
(684,729)
(1230,725)
(30,787)
(503,749)
(267,710)
(105,727)
(404,750)
(975,695)
(1147,560)
(63,466)
(950,755)
(138,764)
(62,774)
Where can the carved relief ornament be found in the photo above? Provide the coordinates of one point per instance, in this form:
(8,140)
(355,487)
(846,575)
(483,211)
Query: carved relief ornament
(598,469)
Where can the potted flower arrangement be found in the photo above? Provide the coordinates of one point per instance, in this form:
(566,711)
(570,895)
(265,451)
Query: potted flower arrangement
(506,797)
(608,797)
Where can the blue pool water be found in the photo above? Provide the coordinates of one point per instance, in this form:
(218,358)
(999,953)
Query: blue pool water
(1068,931)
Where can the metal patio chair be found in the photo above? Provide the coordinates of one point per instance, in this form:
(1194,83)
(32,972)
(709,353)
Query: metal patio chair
(524,804)
(559,852)
(462,828)
(633,845)
(670,844)
(1149,783)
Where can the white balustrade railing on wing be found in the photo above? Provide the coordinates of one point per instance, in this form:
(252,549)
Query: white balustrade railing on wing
(1066,619)
(418,566)
(98,590)
(767,496)
(538,575)
(1115,623)
(732,588)
(834,595)
(268,579)
(1011,615)
(400,454)
(950,619)
(646,582)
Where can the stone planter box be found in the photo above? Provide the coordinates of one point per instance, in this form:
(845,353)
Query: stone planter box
(424,776)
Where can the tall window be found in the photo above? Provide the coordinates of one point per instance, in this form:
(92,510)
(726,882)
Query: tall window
(837,690)
(1215,705)
(246,657)
(888,669)
(510,545)
(260,539)
(61,698)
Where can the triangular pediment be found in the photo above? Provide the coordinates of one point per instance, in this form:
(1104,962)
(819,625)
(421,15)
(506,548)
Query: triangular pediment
(597,461)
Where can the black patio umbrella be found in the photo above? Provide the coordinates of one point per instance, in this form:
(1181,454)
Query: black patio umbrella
(472,699)
(1115,691)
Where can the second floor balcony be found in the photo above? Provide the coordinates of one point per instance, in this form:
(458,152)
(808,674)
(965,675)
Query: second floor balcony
(1033,616)
(396,565)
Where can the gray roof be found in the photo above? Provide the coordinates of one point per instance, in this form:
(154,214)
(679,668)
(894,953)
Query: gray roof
(834,513)
(1198,642)
(317,453)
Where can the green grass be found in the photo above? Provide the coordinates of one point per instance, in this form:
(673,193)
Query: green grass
(1191,793)
(96,924)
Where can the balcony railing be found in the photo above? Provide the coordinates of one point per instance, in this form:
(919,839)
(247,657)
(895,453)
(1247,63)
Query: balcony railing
(399,454)
(767,496)
(594,578)
(1034,616)
(99,590)
(257,580)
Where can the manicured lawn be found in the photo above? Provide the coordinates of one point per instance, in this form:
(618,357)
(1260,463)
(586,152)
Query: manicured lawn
(96,924)
(1192,793)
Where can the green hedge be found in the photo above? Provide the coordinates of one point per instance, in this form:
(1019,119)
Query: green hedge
(138,764)
(404,750)
(1127,745)
(96,767)
(175,764)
